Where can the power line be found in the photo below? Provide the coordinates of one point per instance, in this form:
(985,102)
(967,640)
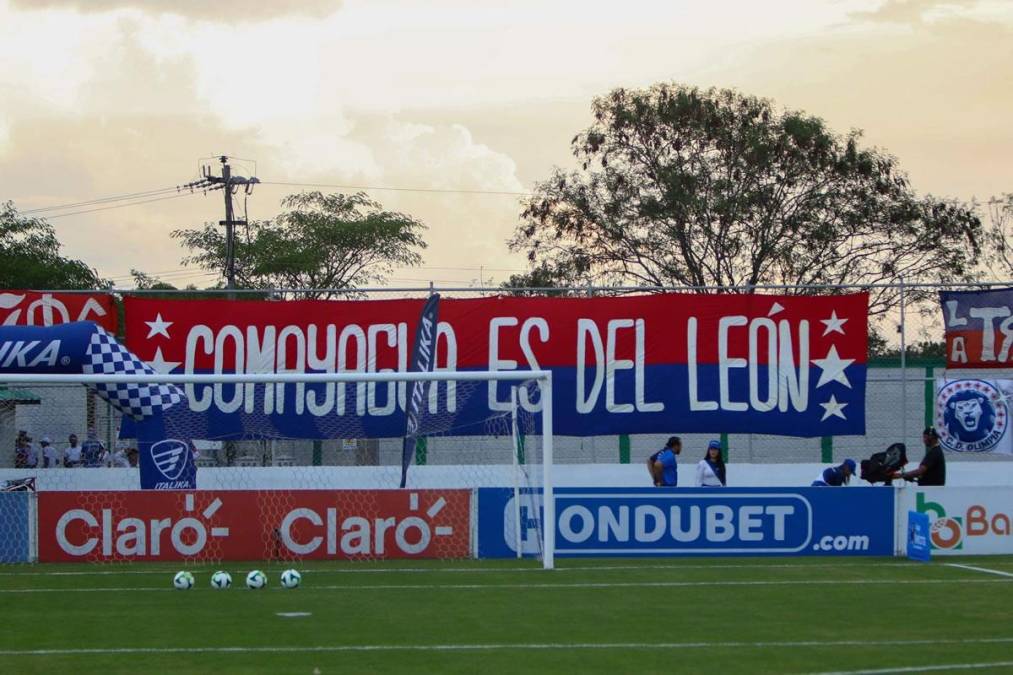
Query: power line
(120,206)
(505,193)
(101,200)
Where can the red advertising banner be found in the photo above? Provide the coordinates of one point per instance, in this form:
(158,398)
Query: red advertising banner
(253,525)
(32,308)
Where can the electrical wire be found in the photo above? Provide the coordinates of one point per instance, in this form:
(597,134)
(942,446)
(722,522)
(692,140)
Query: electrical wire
(505,193)
(120,206)
(101,200)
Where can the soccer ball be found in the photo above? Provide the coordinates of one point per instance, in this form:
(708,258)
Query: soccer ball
(256,579)
(182,581)
(221,580)
(291,579)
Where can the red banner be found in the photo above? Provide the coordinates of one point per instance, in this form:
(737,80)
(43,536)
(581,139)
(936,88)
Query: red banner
(31,308)
(660,363)
(253,525)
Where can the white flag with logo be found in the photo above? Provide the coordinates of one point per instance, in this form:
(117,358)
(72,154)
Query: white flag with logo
(973,415)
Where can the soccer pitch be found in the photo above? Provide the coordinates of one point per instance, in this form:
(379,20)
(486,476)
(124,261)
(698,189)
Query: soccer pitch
(728,615)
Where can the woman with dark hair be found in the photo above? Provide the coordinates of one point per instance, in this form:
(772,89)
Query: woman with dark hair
(710,472)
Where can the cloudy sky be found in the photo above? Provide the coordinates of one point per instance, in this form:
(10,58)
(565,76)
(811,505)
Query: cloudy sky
(109,97)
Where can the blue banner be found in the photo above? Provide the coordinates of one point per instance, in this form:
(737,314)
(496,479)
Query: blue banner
(15,544)
(918,546)
(695,521)
(423,360)
(152,413)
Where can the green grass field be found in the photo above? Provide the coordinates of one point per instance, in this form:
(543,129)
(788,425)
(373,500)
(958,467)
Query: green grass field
(729,615)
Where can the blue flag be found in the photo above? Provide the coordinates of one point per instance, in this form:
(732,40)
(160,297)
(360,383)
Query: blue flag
(423,360)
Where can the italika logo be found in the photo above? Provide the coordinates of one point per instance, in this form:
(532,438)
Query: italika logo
(971,416)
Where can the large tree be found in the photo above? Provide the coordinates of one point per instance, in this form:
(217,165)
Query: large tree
(680,186)
(335,242)
(1000,235)
(30,256)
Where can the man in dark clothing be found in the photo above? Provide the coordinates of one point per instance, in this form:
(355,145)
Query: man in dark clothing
(932,470)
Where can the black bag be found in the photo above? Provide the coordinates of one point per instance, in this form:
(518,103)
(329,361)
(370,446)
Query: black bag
(880,467)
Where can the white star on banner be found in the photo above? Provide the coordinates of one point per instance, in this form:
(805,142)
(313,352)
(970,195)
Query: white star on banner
(833,408)
(158,327)
(833,368)
(161,365)
(833,324)
(776,308)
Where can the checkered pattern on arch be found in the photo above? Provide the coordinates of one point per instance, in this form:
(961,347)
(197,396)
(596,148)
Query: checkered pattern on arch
(106,356)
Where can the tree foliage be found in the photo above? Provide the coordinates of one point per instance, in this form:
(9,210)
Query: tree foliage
(335,242)
(1000,234)
(679,186)
(30,256)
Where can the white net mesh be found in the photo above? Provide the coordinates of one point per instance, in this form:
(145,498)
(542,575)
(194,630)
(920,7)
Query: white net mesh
(262,492)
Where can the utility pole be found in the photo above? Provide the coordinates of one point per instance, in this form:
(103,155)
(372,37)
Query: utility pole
(229,185)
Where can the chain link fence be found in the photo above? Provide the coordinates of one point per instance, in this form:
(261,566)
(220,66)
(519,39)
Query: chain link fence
(899,399)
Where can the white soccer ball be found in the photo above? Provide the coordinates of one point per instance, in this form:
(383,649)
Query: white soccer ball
(256,579)
(221,580)
(291,579)
(182,581)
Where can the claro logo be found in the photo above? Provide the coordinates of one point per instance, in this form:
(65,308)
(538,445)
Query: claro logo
(356,535)
(130,537)
(590,524)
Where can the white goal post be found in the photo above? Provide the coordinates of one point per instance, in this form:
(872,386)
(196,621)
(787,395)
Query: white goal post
(540,378)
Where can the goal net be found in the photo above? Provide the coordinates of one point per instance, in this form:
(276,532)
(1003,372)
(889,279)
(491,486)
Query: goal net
(288,466)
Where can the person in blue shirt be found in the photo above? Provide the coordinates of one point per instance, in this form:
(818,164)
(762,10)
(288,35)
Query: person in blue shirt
(663,466)
(836,476)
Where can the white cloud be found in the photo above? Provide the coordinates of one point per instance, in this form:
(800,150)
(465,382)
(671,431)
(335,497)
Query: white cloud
(219,10)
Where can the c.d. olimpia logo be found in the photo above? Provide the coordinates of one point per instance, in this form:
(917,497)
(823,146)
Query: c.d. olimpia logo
(170,457)
(971,416)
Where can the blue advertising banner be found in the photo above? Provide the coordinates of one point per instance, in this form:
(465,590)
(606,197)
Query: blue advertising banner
(695,521)
(15,545)
(918,547)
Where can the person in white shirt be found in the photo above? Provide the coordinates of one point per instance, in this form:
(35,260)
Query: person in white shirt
(118,458)
(50,456)
(710,472)
(32,454)
(72,453)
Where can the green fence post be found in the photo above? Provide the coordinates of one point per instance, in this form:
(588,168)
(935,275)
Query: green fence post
(827,449)
(930,397)
(624,448)
(318,453)
(724,447)
(421,451)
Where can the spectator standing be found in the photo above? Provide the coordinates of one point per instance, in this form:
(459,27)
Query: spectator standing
(710,472)
(21,447)
(118,458)
(836,476)
(663,465)
(50,456)
(93,451)
(33,456)
(932,470)
(72,453)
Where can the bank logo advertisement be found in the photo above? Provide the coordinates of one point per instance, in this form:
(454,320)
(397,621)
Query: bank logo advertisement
(968,521)
(253,525)
(972,415)
(653,522)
